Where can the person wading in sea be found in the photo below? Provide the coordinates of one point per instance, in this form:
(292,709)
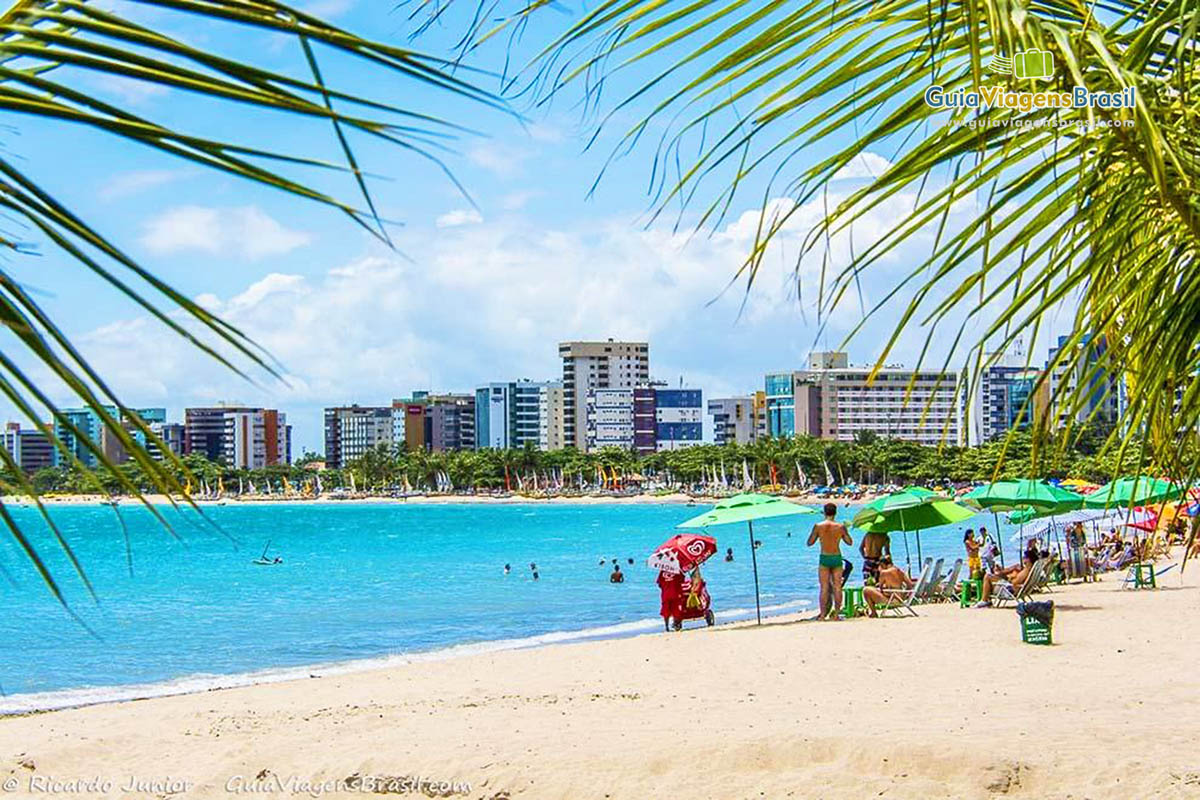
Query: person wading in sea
(831,533)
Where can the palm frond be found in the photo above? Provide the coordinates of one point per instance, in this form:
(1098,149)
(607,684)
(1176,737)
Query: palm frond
(48,50)
(1053,210)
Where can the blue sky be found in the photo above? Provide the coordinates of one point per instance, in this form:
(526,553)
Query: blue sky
(474,293)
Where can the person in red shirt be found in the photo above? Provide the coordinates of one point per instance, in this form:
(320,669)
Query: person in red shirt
(670,586)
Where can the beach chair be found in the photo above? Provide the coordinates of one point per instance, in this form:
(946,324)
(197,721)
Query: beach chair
(934,587)
(949,588)
(1044,575)
(1004,592)
(902,600)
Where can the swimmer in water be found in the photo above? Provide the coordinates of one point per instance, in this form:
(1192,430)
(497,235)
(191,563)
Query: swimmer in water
(507,568)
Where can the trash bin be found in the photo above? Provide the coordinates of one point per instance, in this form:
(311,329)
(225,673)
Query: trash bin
(1037,622)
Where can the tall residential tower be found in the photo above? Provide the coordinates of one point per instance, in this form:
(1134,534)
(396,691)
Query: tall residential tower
(588,366)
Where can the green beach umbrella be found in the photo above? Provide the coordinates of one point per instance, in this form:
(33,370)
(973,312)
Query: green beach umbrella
(910,510)
(1026,498)
(747,508)
(1138,490)
(1025,493)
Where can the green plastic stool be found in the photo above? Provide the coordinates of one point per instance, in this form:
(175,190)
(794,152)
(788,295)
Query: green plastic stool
(1143,576)
(970,591)
(852,601)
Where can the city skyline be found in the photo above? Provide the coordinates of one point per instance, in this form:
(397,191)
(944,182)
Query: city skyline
(608,389)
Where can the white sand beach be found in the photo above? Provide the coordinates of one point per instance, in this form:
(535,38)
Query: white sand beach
(950,704)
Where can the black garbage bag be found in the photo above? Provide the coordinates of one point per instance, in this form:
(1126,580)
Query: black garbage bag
(1042,611)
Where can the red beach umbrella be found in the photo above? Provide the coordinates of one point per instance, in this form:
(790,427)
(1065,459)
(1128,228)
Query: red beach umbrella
(682,552)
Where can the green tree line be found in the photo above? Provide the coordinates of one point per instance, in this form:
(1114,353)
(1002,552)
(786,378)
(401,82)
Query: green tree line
(867,460)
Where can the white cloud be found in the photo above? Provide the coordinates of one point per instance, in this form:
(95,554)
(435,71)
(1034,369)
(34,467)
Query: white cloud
(245,231)
(132,91)
(131,183)
(459,216)
(515,201)
(491,300)
(501,159)
(865,165)
(327,9)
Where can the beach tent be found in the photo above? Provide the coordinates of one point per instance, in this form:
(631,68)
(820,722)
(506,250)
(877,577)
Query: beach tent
(748,508)
(1096,517)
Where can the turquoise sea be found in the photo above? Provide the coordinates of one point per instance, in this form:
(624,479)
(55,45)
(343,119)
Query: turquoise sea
(359,585)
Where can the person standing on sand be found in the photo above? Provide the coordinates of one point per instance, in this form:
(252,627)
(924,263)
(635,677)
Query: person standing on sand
(831,534)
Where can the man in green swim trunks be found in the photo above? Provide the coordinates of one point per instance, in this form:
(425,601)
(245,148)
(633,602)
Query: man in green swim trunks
(829,572)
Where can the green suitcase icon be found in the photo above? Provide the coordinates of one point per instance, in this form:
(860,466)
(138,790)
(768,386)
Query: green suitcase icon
(1033,64)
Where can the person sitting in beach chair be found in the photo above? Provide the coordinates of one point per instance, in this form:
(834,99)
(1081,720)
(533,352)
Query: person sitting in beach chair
(1119,557)
(1016,575)
(890,580)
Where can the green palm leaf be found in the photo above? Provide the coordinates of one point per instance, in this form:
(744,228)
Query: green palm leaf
(1106,219)
(47,50)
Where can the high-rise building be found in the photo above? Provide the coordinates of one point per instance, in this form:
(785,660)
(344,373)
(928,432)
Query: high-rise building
(526,411)
(551,414)
(30,448)
(761,430)
(450,422)
(409,422)
(495,417)
(597,365)
(243,437)
(1101,397)
(1001,399)
(173,435)
(678,418)
(832,400)
(85,424)
(351,431)
(733,420)
(645,419)
(608,418)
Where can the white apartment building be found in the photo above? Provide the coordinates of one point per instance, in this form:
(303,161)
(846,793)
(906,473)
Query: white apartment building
(597,365)
(608,420)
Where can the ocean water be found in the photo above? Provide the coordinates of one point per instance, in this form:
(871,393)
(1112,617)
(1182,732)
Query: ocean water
(359,585)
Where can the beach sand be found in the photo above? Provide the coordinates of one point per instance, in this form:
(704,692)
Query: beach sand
(950,704)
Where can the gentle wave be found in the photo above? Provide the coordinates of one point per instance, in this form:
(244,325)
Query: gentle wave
(192,684)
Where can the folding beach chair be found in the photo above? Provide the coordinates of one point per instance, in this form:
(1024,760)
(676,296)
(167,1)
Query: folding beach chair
(1004,592)
(949,588)
(900,601)
(934,587)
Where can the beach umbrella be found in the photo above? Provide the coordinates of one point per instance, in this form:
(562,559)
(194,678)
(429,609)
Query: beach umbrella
(909,510)
(682,553)
(1026,493)
(748,508)
(1026,498)
(1138,490)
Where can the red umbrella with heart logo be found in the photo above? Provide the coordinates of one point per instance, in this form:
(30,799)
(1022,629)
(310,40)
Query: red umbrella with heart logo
(681,553)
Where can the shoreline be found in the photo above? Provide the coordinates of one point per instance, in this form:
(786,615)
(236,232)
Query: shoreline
(947,704)
(33,703)
(675,498)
